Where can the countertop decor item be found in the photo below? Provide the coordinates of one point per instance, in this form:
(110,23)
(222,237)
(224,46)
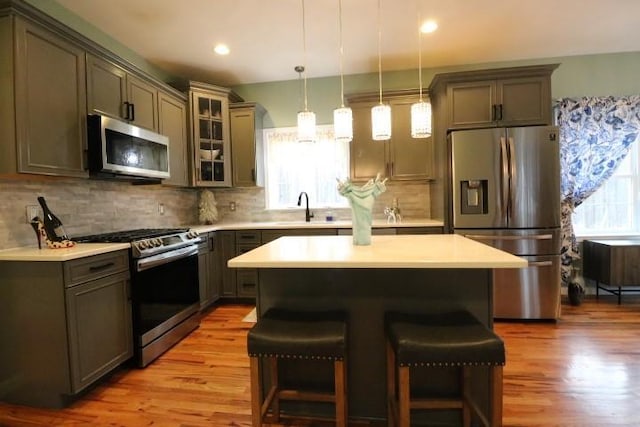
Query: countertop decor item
(361,200)
(207,208)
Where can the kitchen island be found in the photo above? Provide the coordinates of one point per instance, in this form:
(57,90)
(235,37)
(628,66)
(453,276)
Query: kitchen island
(414,273)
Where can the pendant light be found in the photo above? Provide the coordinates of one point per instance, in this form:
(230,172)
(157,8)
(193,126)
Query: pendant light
(343,116)
(420,111)
(381,113)
(306,118)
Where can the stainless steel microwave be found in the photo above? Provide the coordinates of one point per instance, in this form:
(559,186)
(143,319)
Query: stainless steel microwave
(117,149)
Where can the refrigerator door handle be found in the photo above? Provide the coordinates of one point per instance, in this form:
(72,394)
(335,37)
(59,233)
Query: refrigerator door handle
(508,237)
(513,176)
(505,177)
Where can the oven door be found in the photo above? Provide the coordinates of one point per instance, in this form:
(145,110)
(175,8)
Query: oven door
(165,300)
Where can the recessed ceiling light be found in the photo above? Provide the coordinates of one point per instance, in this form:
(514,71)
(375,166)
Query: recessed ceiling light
(222,49)
(429,26)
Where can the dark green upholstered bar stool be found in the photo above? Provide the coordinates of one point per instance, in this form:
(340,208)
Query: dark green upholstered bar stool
(283,334)
(437,341)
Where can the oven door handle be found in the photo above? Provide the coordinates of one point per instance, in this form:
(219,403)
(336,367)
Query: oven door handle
(164,258)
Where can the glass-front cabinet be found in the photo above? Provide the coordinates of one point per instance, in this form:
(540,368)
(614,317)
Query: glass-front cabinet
(209,115)
(211,143)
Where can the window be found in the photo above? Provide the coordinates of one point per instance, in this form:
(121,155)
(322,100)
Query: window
(293,167)
(615,208)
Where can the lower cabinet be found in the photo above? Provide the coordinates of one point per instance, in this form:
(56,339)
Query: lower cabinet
(64,326)
(99,327)
(208,271)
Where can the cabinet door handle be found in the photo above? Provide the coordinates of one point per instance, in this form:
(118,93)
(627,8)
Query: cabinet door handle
(493,113)
(133,112)
(500,112)
(95,268)
(253,175)
(125,113)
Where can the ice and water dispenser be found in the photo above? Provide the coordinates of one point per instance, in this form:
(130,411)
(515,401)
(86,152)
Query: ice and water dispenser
(473,195)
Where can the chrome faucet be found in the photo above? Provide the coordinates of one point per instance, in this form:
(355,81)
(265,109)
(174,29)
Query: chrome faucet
(307,215)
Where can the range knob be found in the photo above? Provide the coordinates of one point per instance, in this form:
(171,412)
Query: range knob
(157,242)
(192,234)
(143,244)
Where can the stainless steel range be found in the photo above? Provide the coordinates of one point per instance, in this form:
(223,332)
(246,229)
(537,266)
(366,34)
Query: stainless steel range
(164,286)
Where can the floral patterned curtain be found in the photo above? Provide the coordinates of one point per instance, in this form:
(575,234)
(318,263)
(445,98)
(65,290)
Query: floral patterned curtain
(595,136)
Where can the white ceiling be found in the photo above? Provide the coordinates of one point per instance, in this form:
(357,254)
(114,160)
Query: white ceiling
(265,36)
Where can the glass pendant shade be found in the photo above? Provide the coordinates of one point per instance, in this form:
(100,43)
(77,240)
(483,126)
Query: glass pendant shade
(343,124)
(421,120)
(381,122)
(306,126)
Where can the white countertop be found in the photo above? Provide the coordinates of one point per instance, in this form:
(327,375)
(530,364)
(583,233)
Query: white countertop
(80,250)
(406,251)
(275,225)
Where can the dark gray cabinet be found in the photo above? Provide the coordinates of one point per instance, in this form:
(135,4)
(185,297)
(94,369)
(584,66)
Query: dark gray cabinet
(506,102)
(115,92)
(43,105)
(246,144)
(400,158)
(225,250)
(247,278)
(172,122)
(209,277)
(65,325)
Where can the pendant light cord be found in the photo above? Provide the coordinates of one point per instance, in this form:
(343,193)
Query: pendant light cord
(420,52)
(341,54)
(379,54)
(304,58)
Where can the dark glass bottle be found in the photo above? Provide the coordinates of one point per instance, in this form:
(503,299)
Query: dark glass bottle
(52,225)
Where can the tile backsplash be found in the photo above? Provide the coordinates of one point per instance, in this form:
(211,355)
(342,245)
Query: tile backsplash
(93,206)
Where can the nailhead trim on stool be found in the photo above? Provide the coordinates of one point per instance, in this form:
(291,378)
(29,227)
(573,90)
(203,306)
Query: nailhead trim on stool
(281,335)
(445,340)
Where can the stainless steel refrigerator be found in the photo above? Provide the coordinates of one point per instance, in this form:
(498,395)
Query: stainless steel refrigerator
(506,194)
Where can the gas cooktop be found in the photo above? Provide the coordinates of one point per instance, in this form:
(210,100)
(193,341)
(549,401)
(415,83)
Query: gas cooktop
(127,236)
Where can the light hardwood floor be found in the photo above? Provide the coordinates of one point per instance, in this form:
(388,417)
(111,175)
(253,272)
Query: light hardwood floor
(582,371)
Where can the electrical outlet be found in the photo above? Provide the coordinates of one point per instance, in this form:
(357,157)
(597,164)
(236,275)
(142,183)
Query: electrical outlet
(232,206)
(161,208)
(31,211)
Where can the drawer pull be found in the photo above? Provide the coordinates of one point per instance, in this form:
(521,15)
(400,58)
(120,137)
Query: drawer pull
(540,264)
(101,267)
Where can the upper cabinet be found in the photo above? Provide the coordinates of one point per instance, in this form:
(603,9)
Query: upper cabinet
(113,91)
(246,144)
(172,122)
(489,98)
(400,158)
(210,136)
(43,102)
(51,77)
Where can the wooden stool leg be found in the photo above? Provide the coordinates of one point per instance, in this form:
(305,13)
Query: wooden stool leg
(466,391)
(391,385)
(496,396)
(256,392)
(404,395)
(273,374)
(340,393)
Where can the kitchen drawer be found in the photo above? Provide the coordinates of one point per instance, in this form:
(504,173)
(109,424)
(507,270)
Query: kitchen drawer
(247,282)
(241,249)
(248,237)
(270,235)
(419,230)
(94,267)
